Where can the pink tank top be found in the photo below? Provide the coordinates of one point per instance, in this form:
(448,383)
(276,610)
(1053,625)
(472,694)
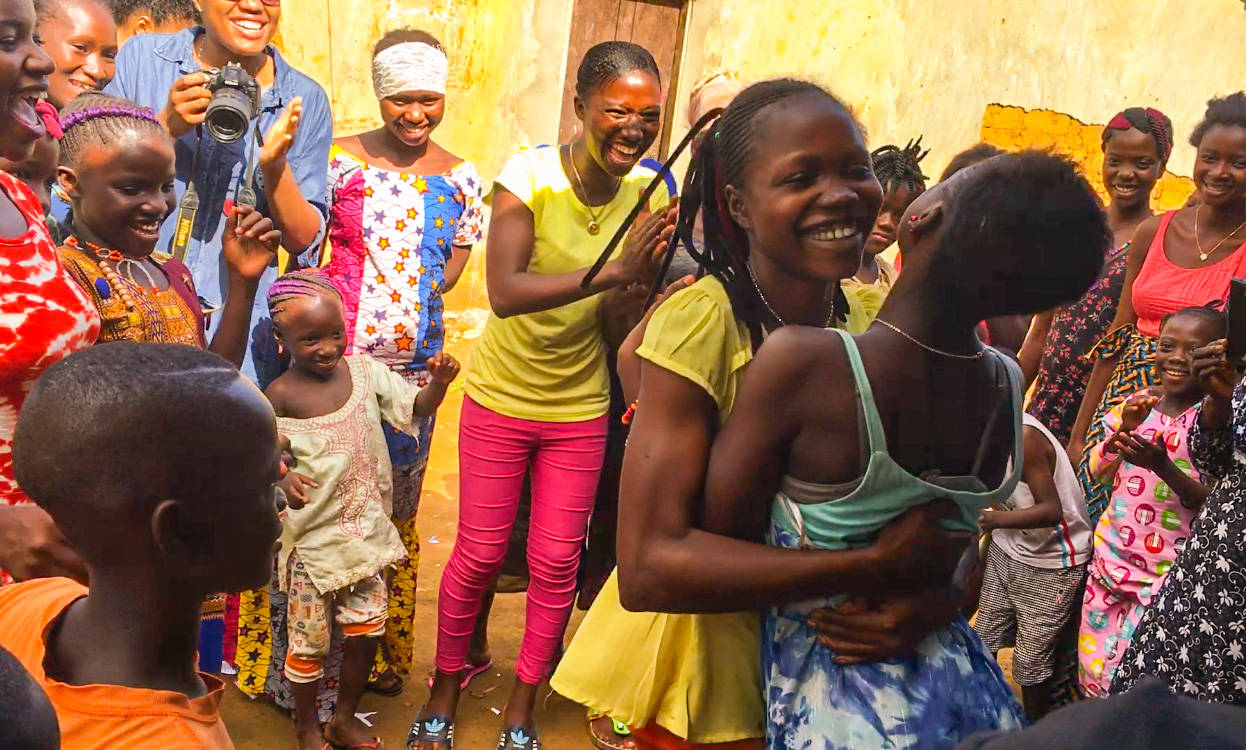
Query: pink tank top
(1162,287)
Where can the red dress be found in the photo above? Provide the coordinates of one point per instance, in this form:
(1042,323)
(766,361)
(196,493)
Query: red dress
(44,317)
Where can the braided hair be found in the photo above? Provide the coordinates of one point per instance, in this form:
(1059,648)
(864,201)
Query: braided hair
(161,11)
(95,119)
(721,160)
(305,282)
(898,168)
(1150,121)
(609,60)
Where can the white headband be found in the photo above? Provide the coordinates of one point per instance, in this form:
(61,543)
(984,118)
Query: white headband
(410,66)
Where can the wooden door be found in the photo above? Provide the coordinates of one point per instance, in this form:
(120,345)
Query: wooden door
(656,25)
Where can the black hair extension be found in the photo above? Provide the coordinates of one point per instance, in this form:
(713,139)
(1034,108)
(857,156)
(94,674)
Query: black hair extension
(897,167)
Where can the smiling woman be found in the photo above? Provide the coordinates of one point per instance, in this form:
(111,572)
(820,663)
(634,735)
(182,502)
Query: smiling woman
(81,38)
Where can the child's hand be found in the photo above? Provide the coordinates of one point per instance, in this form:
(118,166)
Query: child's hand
(295,485)
(249,243)
(1136,410)
(443,368)
(986,521)
(1139,451)
(1214,370)
(187,104)
(281,135)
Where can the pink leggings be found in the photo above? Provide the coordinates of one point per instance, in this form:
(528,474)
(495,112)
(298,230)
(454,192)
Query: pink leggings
(495,451)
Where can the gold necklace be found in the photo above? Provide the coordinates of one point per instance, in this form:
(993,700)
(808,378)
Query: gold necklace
(594,225)
(1203,256)
(830,315)
(976,355)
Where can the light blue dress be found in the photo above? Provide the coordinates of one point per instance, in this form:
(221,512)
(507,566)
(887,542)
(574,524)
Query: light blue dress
(950,687)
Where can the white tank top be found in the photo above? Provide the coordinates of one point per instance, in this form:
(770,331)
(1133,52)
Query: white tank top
(1063,546)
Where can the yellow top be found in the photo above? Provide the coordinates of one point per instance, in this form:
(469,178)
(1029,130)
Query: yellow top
(865,300)
(697,676)
(550,366)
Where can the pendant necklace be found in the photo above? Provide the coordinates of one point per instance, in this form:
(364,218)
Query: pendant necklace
(594,225)
(1203,256)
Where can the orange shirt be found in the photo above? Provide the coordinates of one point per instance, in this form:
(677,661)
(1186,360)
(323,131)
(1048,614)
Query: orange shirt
(99,716)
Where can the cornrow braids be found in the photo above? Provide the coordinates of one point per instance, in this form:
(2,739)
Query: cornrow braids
(607,61)
(1147,120)
(897,167)
(96,119)
(1206,313)
(305,282)
(161,11)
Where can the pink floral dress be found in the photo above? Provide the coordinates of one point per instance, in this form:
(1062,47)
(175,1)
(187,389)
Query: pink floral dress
(1136,540)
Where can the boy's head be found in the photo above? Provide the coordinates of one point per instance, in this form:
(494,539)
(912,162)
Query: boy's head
(117,168)
(1180,333)
(306,309)
(157,458)
(39,169)
(27,719)
(81,39)
(135,17)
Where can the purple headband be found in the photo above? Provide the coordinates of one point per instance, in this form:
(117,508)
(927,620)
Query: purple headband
(91,113)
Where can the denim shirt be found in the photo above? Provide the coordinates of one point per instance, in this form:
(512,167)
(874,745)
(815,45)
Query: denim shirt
(147,66)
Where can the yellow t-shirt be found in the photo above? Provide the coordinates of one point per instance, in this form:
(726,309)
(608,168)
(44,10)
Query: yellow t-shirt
(550,366)
(865,300)
(697,676)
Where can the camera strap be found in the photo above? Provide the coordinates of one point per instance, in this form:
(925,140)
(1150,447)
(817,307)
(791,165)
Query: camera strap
(246,189)
(189,205)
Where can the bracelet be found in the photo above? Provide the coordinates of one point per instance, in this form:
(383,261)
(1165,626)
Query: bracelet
(630,413)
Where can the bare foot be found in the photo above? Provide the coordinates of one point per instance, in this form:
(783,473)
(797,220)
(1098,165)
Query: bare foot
(352,731)
(309,737)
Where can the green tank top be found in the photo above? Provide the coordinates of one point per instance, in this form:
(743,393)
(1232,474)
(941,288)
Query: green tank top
(839,516)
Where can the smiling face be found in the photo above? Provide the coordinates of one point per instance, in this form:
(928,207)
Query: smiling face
(1131,165)
(24,71)
(82,39)
(621,120)
(244,28)
(1174,354)
(38,171)
(411,116)
(312,330)
(1220,166)
(807,197)
(895,203)
(122,192)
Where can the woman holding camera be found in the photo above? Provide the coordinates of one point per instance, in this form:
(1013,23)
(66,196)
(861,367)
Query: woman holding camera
(220,75)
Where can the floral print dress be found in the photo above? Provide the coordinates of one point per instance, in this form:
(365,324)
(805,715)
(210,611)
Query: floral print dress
(1194,635)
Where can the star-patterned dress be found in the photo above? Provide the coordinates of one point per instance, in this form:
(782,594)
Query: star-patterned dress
(391,234)
(1193,637)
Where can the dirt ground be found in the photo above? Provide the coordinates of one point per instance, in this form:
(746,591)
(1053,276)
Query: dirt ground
(258,725)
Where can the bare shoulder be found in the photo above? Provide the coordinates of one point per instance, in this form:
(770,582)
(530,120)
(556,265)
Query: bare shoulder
(796,355)
(278,393)
(1037,447)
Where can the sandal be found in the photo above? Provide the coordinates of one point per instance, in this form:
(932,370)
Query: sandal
(471,673)
(517,737)
(389,685)
(435,729)
(615,740)
(375,744)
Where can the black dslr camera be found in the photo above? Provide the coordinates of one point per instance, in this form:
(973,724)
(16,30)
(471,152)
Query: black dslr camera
(235,102)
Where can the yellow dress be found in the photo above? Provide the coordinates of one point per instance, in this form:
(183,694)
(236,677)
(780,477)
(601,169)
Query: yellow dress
(697,676)
(865,300)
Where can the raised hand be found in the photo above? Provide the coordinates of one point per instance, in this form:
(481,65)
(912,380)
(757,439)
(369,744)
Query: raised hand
(442,368)
(1136,410)
(1213,369)
(646,242)
(281,135)
(1137,450)
(188,103)
(249,243)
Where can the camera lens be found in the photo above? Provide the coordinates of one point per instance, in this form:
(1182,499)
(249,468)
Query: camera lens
(228,114)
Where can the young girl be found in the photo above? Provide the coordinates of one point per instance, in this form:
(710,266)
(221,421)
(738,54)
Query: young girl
(1156,492)
(117,170)
(918,408)
(338,537)
(899,172)
(39,169)
(81,38)
(404,214)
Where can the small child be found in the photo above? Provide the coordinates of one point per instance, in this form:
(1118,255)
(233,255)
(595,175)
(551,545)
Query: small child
(899,172)
(338,537)
(1035,565)
(39,169)
(158,463)
(1156,493)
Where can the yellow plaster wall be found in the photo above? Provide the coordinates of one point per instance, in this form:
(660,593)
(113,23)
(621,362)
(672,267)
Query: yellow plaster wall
(916,66)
